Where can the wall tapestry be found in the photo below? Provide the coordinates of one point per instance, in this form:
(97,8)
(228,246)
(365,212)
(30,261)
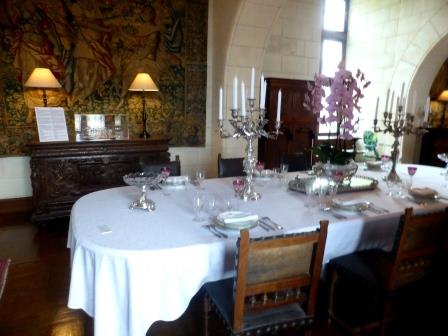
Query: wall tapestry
(95,49)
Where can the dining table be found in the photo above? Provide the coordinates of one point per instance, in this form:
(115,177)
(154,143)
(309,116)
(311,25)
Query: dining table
(131,268)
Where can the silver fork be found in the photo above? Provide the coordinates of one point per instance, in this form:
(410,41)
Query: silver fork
(270,223)
(215,231)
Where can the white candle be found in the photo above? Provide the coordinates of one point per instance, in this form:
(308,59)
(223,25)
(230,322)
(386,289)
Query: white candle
(220,103)
(402,95)
(252,84)
(235,93)
(376,109)
(279,104)
(427,108)
(414,99)
(243,99)
(392,102)
(262,92)
(387,100)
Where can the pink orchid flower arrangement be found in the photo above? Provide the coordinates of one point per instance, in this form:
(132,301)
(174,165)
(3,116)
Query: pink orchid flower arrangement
(342,108)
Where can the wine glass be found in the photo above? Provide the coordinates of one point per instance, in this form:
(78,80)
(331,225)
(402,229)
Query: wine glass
(443,157)
(200,176)
(385,160)
(283,171)
(198,204)
(259,167)
(238,186)
(165,171)
(411,171)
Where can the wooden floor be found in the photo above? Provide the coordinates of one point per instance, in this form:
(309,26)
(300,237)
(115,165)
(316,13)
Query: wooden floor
(35,297)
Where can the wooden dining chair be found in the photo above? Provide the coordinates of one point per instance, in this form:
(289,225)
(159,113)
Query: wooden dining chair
(150,167)
(4,267)
(364,285)
(297,161)
(230,167)
(275,286)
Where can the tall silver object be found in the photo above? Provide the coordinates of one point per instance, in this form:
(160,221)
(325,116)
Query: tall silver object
(403,124)
(144,181)
(250,128)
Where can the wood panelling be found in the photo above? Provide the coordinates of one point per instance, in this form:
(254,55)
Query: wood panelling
(63,172)
(298,124)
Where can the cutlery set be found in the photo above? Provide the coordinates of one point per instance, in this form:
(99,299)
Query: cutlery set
(264,222)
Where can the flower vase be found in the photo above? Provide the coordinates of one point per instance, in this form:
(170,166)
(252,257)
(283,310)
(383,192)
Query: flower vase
(340,174)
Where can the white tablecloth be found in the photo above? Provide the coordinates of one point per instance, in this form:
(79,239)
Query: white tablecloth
(151,264)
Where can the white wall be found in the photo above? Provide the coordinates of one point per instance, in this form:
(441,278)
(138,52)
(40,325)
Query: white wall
(15,177)
(280,38)
(396,41)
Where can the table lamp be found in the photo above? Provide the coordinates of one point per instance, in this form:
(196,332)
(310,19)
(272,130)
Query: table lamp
(43,78)
(443,96)
(143,82)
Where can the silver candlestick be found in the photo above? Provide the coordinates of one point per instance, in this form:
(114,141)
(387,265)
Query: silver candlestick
(403,124)
(250,127)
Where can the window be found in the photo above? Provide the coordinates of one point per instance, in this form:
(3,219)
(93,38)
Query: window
(334,42)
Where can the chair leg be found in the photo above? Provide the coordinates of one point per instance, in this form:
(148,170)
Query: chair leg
(385,315)
(333,279)
(308,332)
(206,316)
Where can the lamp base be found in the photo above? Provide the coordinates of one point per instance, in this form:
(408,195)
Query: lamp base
(144,134)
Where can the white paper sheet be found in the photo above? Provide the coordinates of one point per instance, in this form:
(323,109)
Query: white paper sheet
(51,124)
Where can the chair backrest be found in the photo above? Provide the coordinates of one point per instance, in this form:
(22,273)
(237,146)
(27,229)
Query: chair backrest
(4,266)
(278,271)
(230,167)
(297,161)
(149,167)
(420,240)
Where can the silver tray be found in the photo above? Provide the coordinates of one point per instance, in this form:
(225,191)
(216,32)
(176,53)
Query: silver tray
(357,183)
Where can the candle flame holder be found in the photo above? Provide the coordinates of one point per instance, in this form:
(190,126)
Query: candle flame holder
(249,127)
(403,124)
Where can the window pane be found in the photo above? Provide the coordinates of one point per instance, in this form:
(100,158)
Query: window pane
(334,15)
(331,56)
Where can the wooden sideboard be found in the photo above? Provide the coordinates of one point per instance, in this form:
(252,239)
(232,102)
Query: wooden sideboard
(434,141)
(62,172)
(299,126)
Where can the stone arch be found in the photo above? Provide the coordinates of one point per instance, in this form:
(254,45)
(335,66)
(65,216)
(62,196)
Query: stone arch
(246,48)
(418,66)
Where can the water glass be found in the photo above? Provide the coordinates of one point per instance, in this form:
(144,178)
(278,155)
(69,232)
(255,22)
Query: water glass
(210,205)
(283,171)
(310,201)
(326,191)
(198,205)
(200,176)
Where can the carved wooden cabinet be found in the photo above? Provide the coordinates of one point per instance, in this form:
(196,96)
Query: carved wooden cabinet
(62,172)
(299,126)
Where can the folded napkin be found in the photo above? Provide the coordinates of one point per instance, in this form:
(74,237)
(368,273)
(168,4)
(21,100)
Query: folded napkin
(231,217)
(374,164)
(351,205)
(265,173)
(423,192)
(177,180)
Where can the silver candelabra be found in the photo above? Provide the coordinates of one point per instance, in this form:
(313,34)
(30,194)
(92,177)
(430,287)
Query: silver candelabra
(403,124)
(250,127)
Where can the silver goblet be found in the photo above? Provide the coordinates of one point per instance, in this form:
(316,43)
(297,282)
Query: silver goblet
(144,181)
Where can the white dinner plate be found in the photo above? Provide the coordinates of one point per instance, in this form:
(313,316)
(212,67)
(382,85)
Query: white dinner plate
(238,220)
